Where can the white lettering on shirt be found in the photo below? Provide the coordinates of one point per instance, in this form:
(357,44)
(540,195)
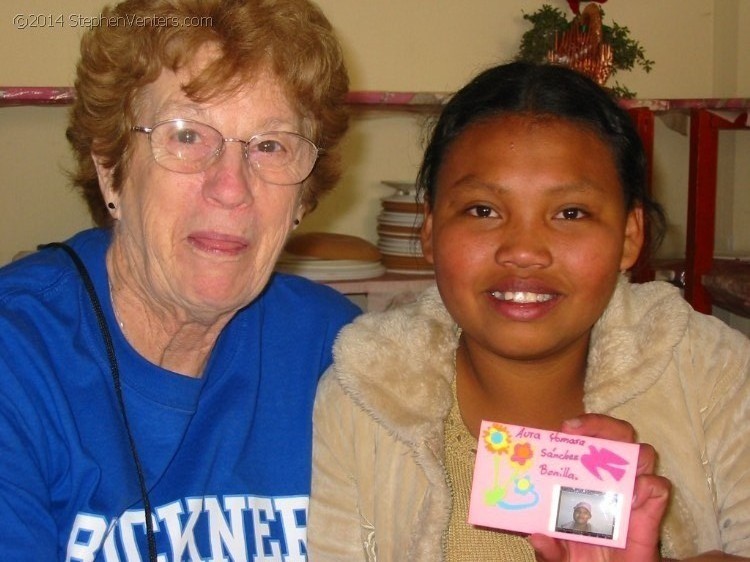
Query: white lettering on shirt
(92,537)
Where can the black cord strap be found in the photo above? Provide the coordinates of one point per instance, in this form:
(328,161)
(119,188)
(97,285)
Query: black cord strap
(110,348)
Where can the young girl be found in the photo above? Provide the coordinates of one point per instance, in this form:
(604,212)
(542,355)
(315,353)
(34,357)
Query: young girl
(535,206)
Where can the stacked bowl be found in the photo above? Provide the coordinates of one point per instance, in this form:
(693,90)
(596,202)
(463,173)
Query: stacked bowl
(399,223)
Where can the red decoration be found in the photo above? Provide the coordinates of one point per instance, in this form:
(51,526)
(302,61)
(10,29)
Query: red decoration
(582,46)
(575,5)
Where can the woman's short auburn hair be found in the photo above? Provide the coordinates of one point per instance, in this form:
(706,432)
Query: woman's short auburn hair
(136,39)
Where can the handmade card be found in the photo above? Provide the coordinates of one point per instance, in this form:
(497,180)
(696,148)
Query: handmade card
(566,486)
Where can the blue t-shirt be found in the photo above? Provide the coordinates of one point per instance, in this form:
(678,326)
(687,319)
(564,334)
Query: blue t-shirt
(226,457)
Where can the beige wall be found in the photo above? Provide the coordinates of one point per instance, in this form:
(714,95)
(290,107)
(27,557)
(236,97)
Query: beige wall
(389,45)
(440,44)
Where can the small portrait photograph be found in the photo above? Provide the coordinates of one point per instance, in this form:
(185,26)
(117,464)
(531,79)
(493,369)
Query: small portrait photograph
(588,512)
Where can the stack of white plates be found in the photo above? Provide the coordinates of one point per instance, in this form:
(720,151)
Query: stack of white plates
(329,270)
(399,224)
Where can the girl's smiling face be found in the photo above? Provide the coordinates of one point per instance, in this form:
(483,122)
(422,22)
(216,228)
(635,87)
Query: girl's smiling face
(528,232)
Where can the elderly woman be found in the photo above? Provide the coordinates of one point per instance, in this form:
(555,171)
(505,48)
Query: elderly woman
(156,380)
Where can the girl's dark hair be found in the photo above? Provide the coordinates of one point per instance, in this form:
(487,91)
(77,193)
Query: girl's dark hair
(549,90)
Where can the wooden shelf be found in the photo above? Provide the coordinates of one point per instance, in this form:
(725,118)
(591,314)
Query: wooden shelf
(20,95)
(372,99)
(398,101)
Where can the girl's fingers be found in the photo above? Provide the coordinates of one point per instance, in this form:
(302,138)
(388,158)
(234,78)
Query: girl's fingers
(599,425)
(547,549)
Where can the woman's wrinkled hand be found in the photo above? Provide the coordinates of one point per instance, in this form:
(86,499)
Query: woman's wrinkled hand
(650,498)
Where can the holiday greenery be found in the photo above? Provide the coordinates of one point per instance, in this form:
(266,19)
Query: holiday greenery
(548,23)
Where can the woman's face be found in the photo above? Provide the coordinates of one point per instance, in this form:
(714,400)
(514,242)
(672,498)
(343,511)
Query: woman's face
(528,233)
(204,242)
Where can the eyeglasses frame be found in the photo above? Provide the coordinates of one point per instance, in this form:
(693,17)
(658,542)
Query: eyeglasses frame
(245,144)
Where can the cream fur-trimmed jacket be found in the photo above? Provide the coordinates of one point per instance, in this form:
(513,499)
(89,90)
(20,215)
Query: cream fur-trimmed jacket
(682,379)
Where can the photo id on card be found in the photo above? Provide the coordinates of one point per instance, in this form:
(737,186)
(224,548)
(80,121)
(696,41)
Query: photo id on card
(566,486)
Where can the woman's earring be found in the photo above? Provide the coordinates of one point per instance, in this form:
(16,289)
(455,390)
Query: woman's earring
(111,205)
(295,223)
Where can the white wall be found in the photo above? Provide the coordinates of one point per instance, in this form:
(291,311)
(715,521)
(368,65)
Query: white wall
(389,45)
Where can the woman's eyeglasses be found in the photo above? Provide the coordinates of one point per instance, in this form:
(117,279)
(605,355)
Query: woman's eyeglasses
(188,147)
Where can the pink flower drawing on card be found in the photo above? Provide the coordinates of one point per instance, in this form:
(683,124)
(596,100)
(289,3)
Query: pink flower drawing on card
(512,488)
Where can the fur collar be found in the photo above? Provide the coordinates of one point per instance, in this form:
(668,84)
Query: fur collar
(632,342)
(398,365)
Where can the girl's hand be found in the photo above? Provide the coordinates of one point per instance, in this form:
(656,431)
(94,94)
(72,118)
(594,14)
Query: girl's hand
(650,498)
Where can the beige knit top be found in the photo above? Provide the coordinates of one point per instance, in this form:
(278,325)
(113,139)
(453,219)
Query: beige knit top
(464,542)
